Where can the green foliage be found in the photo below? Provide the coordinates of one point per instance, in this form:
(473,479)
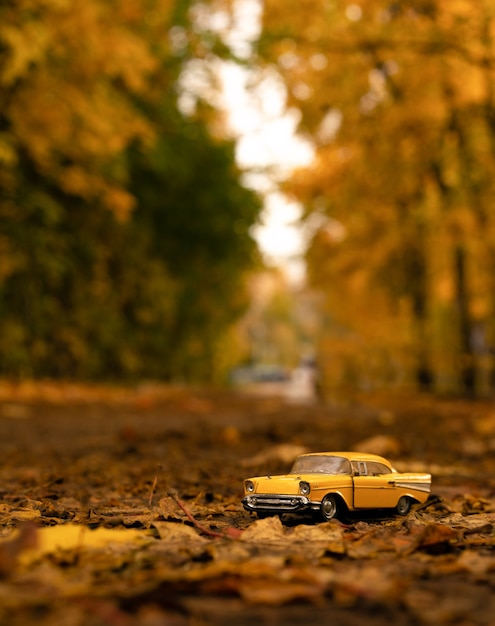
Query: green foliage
(75,304)
(124,227)
(190,199)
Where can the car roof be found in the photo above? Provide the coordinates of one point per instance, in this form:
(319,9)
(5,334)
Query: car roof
(352,456)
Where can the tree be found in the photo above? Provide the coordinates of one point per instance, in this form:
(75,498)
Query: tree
(191,201)
(398,100)
(124,224)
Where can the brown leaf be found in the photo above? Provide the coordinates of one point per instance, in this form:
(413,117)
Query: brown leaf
(476,563)
(329,537)
(374,582)
(431,536)
(265,530)
(371,544)
(277,593)
(178,533)
(11,549)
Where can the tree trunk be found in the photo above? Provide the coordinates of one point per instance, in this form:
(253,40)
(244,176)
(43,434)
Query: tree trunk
(467,366)
(416,273)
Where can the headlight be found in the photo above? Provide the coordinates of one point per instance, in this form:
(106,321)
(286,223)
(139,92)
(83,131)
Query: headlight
(304,488)
(249,486)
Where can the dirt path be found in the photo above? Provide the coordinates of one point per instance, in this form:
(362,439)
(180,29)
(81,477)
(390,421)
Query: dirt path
(96,462)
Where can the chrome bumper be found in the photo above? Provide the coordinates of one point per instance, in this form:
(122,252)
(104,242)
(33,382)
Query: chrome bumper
(275,503)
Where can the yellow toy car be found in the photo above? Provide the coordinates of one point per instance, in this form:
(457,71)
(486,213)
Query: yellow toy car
(332,483)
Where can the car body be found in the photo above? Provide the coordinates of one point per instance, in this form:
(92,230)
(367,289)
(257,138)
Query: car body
(331,483)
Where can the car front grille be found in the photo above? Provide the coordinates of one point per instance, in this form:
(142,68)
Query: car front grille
(265,502)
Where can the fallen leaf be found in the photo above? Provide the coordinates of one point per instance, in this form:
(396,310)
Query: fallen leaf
(75,537)
(371,544)
(13,548)
(431,536)
(277,593)
(265,530)
(476,563)
(329,537)
(375,582)
(177,532)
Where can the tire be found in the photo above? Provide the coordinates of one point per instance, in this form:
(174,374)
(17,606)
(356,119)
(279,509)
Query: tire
(403,505)
(329,508)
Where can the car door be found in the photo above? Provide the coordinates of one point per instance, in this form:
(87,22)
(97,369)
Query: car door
(373,489)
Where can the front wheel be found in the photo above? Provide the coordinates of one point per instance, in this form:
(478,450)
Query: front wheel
(329,507)
(404,505)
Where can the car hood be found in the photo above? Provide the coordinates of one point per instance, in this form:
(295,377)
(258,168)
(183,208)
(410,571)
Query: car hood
(289,484)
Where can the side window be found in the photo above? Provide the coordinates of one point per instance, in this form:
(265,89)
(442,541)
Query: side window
(359,468)
(377,469)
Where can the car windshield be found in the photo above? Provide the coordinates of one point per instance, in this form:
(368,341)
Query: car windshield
(321,465)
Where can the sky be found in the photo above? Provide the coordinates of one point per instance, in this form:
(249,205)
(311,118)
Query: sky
(267,145)
(268,149)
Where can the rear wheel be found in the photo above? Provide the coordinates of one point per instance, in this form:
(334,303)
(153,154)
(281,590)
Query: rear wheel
(329,507)
(404,505)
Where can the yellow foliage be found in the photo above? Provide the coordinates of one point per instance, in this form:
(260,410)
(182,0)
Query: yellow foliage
(65,81)
(26,45)
(407,175)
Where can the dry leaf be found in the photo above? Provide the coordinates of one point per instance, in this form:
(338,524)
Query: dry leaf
(265,531)
(277,593)
(178,533)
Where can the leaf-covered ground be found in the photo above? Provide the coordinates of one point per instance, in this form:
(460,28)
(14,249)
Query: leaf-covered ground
(122,508)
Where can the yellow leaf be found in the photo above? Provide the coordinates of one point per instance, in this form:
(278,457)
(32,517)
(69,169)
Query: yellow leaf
(51,539)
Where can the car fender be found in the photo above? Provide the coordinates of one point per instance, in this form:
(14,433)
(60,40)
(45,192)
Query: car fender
(344,493)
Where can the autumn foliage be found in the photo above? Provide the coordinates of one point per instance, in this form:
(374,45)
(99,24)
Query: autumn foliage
(114,166)
(123,506)
(398,99)
(123,221)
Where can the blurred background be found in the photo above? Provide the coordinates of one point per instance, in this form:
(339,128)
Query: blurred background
(231,192)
